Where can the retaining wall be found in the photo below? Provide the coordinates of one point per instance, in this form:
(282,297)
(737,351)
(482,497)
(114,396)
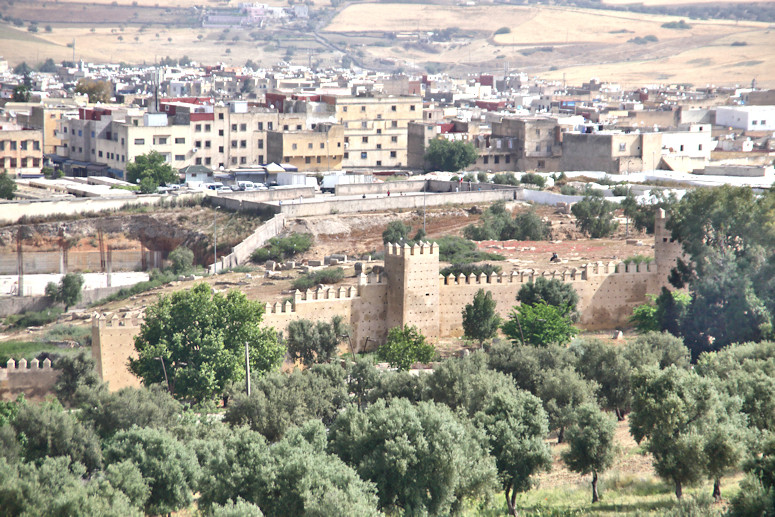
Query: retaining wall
(19,304)
(395,187)
(241,252)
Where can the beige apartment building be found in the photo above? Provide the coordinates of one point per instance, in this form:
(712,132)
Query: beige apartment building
(21,151)
(316,150)
(375,128)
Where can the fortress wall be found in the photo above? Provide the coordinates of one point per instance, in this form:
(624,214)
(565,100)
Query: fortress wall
(417,301)
(369,315)
(35,381)
(112,345)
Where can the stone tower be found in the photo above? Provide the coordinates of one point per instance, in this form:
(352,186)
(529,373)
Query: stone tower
(413,293)
(666,250)
(112,345)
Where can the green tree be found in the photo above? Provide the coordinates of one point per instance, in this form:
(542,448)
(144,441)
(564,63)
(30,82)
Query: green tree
(421,458)
(553,292)
(76,372)
(404,347)
(7,186)
(396,232)
(642,216)
(97,90)
(480,321)
(49,66)
(48,430)
(609,367)
(658,349)
(68,291)
(528,365)
(591,440)
(151,168)
(539,325)
(595,216)
(757,492)
(311,342)
(672,410)
(448,155)
(168,465)
(201,337)
(181,260)
(21,93)
(562,392)
(239,509)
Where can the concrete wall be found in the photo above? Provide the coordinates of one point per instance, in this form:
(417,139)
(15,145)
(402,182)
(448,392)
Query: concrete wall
(112,346)
(42,262)
(241,252)
(19,304)
(35,380)
(395,187)
(12,211)
(274,194)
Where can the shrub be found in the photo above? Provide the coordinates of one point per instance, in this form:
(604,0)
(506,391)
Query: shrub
(325,276)
(459,250)
(503,30)
(404,347)
(681,25)
(156,279)
(34,319)
(181,260)
(282,248)
(534,179)
(569,190)
(507,178)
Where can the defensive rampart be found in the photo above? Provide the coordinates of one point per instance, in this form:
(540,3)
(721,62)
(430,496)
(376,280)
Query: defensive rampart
(34,379)
(112,345)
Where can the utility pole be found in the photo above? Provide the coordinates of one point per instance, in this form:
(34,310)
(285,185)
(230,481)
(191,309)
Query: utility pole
(215,241)
(247,368)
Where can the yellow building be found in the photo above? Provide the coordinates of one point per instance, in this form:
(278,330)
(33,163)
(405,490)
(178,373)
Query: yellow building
(21,151)
(320,149)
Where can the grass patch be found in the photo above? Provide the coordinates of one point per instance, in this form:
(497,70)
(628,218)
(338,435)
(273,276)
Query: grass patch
(157,279)
(80,334)
(29,350)
(325,276)
(282,248)
(33,319)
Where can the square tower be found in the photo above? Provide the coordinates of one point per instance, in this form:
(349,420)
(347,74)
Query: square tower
(413,286)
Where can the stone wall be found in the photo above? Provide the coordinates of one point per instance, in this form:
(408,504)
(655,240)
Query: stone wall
(35,380)
(112,345)
(241,252)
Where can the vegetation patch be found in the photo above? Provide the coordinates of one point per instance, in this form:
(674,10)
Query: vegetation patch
(283,248)
(313,278)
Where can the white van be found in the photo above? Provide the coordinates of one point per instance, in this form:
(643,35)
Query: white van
(246,185)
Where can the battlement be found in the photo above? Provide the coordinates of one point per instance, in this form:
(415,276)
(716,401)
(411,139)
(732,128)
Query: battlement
(371,279)
(113,319)
(312,295)
(404,250)
(21,366)
(566,275)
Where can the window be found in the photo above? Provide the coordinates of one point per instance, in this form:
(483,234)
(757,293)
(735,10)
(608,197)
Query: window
(220,117)
(260,126)
(699,148)
(538,132)
(365,139)
(243,160)
(13,162)
(347,140)
(379,131)
(548,148)
(207,144)
(682,147)
(379,163)
(508,158)
(344,108)
(208,161)
(307,159)
(346,156)
(322,145)
(178,157)
(234,160)
(538,147)
(753,122)
(139,141)
(286,158)
(379,146)
(2,145)
(392,154)
(486,160)
(497,159)
(220,148)
(269,125)
(233,144)
(363,108)
(394,123)
(92,134)
(35,145)
(260,158)
(364,155)
(412,107)
(623,146)
(364,124)
(309,145)
(379,116)
(180,140)
(394,139)
(294,146)
(207,127)
(339,144)
(198,127)
(197,143)
(285,127)
(234,127)
(99,153)
(243,127)
(260,143)
(298,127)
(199,161)
(80,133)
(220,132)
(162,140)
(23,145)
(243,144)
(541,164)
(392,108)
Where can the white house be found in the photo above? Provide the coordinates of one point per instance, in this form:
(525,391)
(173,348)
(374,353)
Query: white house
(749,118)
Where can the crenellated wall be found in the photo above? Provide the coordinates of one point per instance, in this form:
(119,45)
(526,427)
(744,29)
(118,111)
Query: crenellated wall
(113,338)
(34,379)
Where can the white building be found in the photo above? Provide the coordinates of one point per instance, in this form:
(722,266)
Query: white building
(749,118)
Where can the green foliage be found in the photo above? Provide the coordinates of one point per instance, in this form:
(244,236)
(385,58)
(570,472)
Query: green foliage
(642,215)
(458,250)
(181,260)
(169,466)
(281,401)
(447,155)
(532,178)
(34,319)
(97,90)
(591,441)
(677,25)
(480,321)
(47,430)
(496,224)
(310,342)
(283,248)
(553,292)
(528,365)
(658,349)
(470,269)
(594,216)
(152,169)
(21,93)
(7,186)
(201,337)
(109,412)
(562,393)
(420,457)
(68,291)
(481,177)
(396,232)
(239,509)
(610,369)
(505,178)
(503,30)
(539,325)
(75,372)
(404,347)
(309,280)
(156,279)
(569,190)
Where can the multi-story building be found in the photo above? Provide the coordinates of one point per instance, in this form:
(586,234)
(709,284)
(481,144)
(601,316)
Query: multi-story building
(375,128)
(21,151)
(535,143)
(611,152)
(319,149)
